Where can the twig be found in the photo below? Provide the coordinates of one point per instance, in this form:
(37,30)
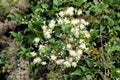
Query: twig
(103,58)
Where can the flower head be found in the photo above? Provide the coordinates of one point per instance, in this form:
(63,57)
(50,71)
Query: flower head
(69,11)
(36,40)
(43,63)
(75,21)
(69,46)
(72,53)
(37,60)
(67,64)
(47,35)
(79,12)
(52,24)
(74,64)
(53,57)
(59,61)
(33,54)
(61,13)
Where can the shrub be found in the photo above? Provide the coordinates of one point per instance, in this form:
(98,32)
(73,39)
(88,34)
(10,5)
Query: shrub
(70,39)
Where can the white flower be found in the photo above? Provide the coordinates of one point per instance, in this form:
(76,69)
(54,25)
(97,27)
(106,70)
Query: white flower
(82,46)
(60,21)
(74,64)
(71,39)
(86,50)
(61,13)
(53,57)
(69,46)
(49,30)
(72,53)
(70,59)
(76,34)
(77,58)
(44,27)
(37,60)
(33,54)
(79,12)
(81,41)
(86,33)
(47,35)
(75,21)
(75,31)
(91,30)
(52,24)
(67,64)
(69,11)
(59,61)
(66,20)
(43,63)
(82,26)
(84,22)
(36,40)
(41,46)
(79,52)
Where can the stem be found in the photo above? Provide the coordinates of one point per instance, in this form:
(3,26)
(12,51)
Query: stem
(103,58)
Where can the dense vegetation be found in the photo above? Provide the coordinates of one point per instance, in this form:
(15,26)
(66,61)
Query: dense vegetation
(59,40)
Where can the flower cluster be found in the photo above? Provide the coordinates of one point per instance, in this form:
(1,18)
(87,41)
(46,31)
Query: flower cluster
(37,59)
(69,61)
(70,32)
(47,30)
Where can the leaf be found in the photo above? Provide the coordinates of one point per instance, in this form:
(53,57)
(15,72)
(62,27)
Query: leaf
(38,10)
(44,6)
(13,34)
(110,21)
(51,74)
(17,36)
(118,70)
(76,72)
(83,68)
(78,2)
(57,2)
(107,1)
(87,5)
(88,77)
(89,62)
(36,70)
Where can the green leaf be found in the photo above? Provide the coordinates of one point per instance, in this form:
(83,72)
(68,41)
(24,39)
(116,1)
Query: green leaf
(89,62)
(76,72)
(107,1)
(17,36)
(57,2)
(51,74)
(88,77)
(118,70)
(110,21)
(38,10)
(78,2)
(87,5)
(83,68)
(36,70)
(44,6)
